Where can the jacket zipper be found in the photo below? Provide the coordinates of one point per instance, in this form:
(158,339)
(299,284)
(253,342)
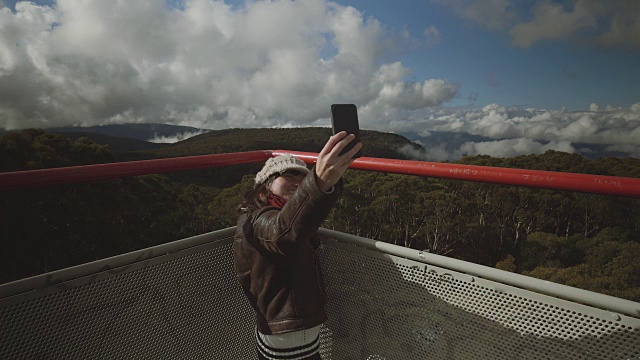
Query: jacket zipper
(315,260)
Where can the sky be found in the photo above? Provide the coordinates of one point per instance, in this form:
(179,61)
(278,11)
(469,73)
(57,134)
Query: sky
(528,75)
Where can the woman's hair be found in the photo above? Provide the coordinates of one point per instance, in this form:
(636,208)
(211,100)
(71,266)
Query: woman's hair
(257,198)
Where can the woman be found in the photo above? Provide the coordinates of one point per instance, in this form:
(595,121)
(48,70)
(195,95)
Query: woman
(274,256)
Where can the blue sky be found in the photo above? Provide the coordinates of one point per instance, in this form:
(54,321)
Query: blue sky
(542,74)
(551,73)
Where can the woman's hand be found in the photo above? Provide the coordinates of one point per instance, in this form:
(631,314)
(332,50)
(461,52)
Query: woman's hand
(331,165)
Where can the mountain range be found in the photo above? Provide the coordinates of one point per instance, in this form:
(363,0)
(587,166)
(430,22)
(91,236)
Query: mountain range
(453,141)
(127,138)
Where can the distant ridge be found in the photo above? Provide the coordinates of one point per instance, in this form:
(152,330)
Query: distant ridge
(452,141)
(130,141)
(135,138)
(117,144)
(310,139)
(144,132)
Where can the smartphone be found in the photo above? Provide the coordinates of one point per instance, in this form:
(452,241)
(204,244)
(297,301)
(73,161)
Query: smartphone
(344,117)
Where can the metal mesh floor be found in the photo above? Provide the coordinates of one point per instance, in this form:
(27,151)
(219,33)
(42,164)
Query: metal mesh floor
(180,307)
(188,305)
(387,307)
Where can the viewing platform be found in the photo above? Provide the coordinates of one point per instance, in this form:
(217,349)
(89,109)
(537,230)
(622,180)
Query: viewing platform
(180,300)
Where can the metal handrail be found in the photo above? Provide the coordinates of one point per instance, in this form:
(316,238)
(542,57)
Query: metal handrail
(586,183)
(121,262)
(570,293)
(74,174)
(111,264)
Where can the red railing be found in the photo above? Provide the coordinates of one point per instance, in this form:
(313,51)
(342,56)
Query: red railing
(45,177)
(596,184)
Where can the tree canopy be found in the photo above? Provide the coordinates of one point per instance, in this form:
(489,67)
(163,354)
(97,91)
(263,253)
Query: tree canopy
(582,240)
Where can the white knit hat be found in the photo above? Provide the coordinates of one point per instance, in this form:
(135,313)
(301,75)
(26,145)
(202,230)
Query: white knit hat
(278,165)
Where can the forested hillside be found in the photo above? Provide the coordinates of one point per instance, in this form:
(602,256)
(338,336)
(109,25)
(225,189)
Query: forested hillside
(587,241)
(379,144)
(131,131)
(239,140)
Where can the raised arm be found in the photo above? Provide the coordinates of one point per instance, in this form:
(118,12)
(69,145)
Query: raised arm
(281,230)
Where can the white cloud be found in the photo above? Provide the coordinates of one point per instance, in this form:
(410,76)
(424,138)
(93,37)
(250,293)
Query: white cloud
(517,131)
(499,148)
(493,14)
(552,21)
(172,139)
(432,35)
(206,64)
(428,153)
(618,20)
(631,150)
(513,147)
(604,23)
(499,122)
(267,63)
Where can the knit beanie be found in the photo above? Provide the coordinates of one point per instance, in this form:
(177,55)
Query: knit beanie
(278,165)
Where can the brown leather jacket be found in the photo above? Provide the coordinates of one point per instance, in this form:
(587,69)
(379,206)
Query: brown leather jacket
(276,263)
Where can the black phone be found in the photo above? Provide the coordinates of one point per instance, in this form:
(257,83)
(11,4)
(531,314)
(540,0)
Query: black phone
(344,117)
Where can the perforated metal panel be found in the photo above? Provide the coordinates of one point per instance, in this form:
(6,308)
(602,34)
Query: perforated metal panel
(386,307)
(186,304)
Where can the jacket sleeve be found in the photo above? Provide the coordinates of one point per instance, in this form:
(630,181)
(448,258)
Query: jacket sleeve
(282,230)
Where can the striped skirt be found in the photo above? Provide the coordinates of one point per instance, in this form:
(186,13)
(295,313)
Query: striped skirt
(296,345)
